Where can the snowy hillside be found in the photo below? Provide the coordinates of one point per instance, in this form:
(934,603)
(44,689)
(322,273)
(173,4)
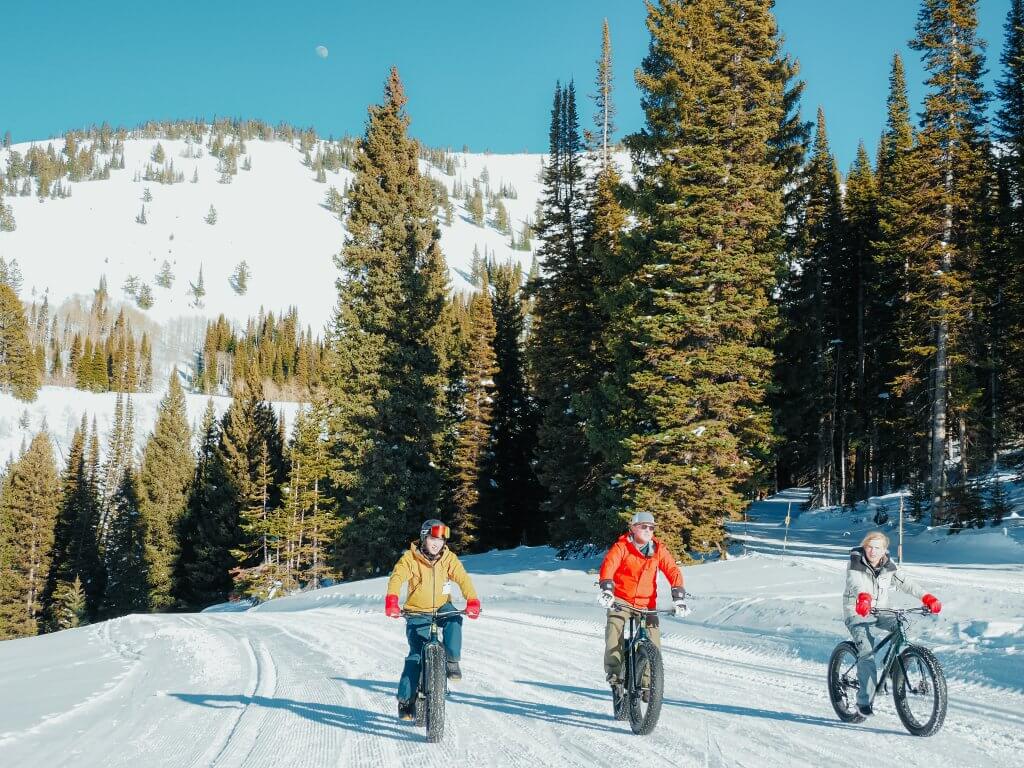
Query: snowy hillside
(60,409)
(272,216)
(309,680)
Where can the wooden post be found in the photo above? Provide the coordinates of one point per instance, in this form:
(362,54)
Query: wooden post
(899,548)
(785,542)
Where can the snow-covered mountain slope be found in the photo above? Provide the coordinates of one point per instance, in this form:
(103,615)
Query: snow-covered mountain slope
(272,216)
(309,680)
(60,410)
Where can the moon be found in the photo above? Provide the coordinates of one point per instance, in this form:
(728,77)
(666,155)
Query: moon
(321,51)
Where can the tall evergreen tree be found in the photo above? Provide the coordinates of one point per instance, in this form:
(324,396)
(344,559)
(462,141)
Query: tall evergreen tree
(30,505)
(708,206)
(511,497)
(861,203)
(1006,395)
(76,544)
(942,255)
(567,323)
(384,380)
(810,366)
(125,555)
(165,473)
(19,372)
(473,445)
(207,532)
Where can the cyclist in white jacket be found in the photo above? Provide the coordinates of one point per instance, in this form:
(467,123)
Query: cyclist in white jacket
(870,578)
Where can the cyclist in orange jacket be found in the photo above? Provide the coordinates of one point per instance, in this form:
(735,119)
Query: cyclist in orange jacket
(629,576)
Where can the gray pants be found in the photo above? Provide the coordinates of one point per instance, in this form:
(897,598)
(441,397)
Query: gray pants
(866,635)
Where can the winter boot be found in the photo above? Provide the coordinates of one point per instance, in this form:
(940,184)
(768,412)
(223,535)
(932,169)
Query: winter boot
(454,673)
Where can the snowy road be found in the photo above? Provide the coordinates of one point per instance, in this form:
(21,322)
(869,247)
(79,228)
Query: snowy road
(314,686)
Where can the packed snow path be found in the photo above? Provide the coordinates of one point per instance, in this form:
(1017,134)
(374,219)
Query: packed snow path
(310,680)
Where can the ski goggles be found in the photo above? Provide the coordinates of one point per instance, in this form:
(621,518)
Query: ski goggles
(439,532)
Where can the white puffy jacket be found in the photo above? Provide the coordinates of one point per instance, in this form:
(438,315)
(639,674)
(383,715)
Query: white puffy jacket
(878,582)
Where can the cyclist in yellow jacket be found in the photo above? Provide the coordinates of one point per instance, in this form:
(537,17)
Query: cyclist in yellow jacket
(429,567)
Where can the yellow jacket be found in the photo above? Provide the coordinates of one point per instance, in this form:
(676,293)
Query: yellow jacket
(427,580)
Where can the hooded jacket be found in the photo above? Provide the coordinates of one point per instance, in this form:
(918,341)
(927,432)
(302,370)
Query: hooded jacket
(429,582)
(878,582)
(636,576)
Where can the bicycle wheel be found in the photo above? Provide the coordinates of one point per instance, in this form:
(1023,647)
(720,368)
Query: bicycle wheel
(843,684)
(433,658)
(646,691)
(920,693)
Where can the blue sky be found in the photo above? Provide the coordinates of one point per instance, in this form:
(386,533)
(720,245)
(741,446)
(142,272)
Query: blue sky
(477,73)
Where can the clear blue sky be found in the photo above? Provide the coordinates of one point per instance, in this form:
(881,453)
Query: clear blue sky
(478,73)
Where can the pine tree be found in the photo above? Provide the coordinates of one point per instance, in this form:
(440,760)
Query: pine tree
(70,607)
(239,279)
(475,207)
(861,203)
(696,326)
(1006,392)
(165,278)
(165,473)
(511,496)
(127,577)
(250,459)
(197,289)
(211,215)
(208,531)
(811,352)
(473,445)
(76,555)
(942,255)
(30,505)
(19,373)
(310,524)
(567,321)
(385,381)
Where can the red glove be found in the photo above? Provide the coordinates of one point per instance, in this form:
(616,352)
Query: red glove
(863,604)
(391,606)
(932,602)
(473,609)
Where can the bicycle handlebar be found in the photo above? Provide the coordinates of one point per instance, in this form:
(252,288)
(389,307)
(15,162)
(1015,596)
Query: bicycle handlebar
(643,611)
(441,614)
(922,611)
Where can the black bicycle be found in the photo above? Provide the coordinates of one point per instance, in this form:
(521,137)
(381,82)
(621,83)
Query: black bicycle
(639,697)
(918,684)
(428,706)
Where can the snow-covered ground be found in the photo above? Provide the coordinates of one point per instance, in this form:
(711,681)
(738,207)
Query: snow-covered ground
(273,217)
(309,680)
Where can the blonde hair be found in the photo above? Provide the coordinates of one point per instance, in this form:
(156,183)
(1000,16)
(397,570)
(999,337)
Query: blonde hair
(875,535)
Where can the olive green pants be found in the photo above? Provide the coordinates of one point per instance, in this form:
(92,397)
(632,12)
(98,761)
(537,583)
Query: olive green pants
(613,640)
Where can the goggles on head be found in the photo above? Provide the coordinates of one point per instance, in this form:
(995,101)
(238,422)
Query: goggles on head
(438,531)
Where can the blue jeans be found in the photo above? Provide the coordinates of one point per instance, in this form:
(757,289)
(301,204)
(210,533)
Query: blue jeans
(417,632)
(866,636)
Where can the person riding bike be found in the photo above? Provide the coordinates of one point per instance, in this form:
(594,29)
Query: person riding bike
(870,577)
(629,575)
(429,567)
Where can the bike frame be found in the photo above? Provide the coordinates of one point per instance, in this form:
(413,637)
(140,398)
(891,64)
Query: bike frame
(896,640)
(432,640)
(637,634)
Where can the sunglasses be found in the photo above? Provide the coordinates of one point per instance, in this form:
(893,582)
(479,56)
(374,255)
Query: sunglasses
(645,526)
(440,532)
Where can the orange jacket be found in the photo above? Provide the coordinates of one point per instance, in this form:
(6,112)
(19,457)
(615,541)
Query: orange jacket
(636,576)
